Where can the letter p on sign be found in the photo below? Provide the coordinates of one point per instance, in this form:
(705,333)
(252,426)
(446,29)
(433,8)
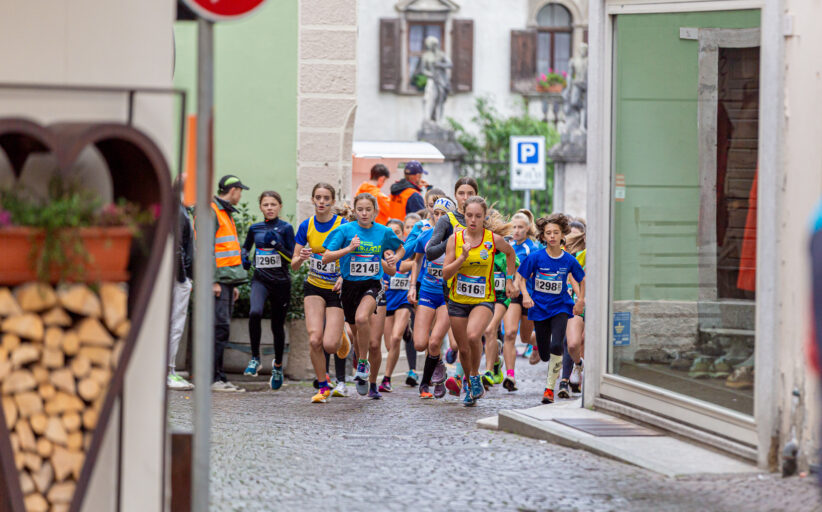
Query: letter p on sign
(528,153)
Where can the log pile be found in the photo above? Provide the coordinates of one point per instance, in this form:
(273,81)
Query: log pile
(58,351)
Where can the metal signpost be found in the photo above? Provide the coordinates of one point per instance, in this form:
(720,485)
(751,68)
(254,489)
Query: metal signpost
(527,165)
(208,11)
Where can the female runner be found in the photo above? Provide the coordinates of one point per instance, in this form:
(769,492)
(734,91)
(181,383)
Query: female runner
(431,308)
(360,247)
(469,261)
(493,364)
(550,305)
(273,240)
(516,319)
(323,309)
(571,377)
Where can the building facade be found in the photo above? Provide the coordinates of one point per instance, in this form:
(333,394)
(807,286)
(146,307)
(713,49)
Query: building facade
(495,52)
(698,209)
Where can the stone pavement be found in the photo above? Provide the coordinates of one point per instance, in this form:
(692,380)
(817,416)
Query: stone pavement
(278,451)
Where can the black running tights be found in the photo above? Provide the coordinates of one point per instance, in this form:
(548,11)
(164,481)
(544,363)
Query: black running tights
(550,334)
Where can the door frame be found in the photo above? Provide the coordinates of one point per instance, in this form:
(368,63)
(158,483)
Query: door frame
(756,430)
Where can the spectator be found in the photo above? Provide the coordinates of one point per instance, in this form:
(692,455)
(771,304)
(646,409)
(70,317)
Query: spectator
(406,196)
(379,173)
(228,274)
(181,293)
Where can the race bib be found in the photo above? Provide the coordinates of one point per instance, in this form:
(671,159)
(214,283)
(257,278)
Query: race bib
(499,281)
(316,265)
(435,270)
(471,286)
(399,283)
(267,258)
(548,283)
(364,265)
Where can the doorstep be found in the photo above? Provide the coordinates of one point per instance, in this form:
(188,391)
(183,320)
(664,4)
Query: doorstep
(661,453)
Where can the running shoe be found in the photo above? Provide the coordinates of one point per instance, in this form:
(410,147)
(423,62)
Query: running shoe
(509,383)
(412,379)
(564,389)
(385,385)
(226,387)
(453,386)
(424,393)
(374,394)
(529,349)
(276,381)
(469,400)
(322,396)
(477,390)
(340,390)
(576,378)
(439,390)
(450,356)
(177,383)
(345,346)
(498,375)
(440,374)
(548,396)
(488,380)
(534,357)
(361,378)
(253,368)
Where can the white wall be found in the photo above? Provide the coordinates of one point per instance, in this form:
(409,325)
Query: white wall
(100,42)
(389,116)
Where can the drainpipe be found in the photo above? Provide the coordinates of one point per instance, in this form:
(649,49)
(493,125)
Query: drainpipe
(791,449)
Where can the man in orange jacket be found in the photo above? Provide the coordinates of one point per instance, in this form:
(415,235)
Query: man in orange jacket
(379,173)
(406,194)
(228,273)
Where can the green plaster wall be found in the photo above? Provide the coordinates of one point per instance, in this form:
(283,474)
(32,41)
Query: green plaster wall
(255,98)
(656,149)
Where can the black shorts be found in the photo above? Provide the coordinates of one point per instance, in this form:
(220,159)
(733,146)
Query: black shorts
(331,298)
(458,310)
(407,306)
(518,300)
(353,293)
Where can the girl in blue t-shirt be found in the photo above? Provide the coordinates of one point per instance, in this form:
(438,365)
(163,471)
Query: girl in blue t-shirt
(361,247)
(544,290)
(395,308)
(516,317)
(431,308)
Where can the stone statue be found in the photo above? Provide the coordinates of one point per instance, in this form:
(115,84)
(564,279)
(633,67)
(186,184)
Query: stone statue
(436,66)
(573,134)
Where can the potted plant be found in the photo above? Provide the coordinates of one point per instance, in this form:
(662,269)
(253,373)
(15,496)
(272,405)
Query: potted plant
(419,80)
(70,235)
(552,82)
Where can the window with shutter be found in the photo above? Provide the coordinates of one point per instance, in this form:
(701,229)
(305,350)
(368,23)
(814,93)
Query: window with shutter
(523,60)
(554,39)
(462,55)
(390,51)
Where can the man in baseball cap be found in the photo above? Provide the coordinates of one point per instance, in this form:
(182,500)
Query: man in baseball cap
(406,194)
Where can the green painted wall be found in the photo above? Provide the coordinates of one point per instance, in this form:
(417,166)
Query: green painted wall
(656,149)
(255,98)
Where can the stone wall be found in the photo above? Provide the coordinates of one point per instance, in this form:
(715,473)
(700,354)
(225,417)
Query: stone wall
(326,96)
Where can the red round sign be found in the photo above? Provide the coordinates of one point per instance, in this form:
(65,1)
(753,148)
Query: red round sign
(217,10)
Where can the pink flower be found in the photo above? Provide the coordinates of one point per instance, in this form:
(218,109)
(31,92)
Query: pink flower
(155,210)
(550,70)
(110,209)
(564,74)
(5,218)
(542,77)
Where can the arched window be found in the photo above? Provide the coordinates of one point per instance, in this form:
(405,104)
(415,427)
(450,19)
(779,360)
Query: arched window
(554,26)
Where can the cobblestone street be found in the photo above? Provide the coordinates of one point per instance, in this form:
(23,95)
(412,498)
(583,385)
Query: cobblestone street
(278,451)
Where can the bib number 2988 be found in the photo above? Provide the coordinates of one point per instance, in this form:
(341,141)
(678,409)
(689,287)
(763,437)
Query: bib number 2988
(548,286)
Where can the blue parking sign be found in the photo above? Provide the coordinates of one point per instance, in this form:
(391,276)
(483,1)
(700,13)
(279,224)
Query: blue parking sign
(527,153)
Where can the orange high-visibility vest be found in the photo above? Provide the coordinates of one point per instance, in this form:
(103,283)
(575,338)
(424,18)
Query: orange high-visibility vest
(226,244)
(398,203)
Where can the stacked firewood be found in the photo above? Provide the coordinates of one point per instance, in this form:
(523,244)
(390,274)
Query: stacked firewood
(58,351)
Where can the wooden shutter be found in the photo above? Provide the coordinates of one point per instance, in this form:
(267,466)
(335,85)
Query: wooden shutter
(462,55)
(523,60)
(390,52)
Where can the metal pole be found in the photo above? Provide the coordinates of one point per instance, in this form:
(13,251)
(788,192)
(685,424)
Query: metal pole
(527,199)
(203,272)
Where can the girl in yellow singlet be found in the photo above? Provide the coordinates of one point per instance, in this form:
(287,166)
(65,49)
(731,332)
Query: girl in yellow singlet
(323,309)
(469,261)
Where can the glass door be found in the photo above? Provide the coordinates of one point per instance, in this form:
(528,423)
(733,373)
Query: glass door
(685,148)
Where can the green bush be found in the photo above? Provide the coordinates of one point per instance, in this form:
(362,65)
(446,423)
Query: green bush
(488,156)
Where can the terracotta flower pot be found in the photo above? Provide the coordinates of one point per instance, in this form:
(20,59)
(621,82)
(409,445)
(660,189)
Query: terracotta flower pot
(107,248)
(556,88)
